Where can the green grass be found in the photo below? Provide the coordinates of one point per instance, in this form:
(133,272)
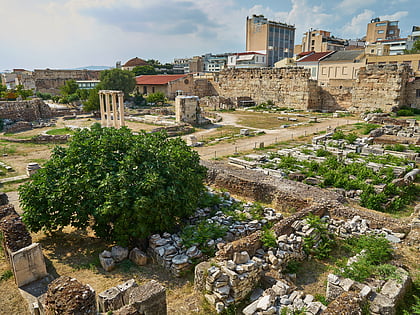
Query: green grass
(60,131)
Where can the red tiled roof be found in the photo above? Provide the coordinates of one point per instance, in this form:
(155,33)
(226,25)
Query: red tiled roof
(315,56)
(135,62)
(158,79)
(304,53)
(248,53)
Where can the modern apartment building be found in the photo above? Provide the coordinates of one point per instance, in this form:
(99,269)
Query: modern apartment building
(274,39)
(320,41)
(378,30)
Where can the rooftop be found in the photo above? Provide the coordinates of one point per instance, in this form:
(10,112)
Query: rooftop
(158,79)
(135,62)
(346,55)
(315,56)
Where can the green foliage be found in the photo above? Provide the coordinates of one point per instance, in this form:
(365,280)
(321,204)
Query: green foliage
(44,96)
(366,127)
(377,250)
(395,147)
(24,94)
(201,233)
(269,238)
(140,70)
(322,152)
(92,102)
(139,100)
(126,186)
(70,87)
(321,242)
(351,137)
(155,98)
(292,266)
(6,275)
(321,298)
(408,111)
(60,131)
(339,134)
(117,79)
(414,50)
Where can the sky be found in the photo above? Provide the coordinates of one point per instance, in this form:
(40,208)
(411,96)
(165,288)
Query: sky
(63,34)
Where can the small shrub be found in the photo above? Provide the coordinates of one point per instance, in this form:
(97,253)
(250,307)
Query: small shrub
(405,112)
(321,298)
(319,248)
(338,135)
(6,275)
(292,266)
(351,137)
(268,238)
(322,153)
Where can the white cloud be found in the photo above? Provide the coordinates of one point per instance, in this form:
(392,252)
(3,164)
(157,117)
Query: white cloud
(351,6)
(395,16)
(356,28)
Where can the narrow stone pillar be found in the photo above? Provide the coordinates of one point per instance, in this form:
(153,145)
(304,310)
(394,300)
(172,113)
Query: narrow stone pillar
(121,108)
(114,109)
(102,108)
(108,110)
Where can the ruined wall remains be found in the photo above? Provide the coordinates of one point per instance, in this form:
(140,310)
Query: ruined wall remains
(50,81)
(286,87)
(337,95)
(25,110)
(413,93)
(380,87)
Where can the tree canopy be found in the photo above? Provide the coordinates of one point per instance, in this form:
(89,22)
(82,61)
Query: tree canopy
(140,70)
(117,79)
(415,49)
(156,98)
(125,186)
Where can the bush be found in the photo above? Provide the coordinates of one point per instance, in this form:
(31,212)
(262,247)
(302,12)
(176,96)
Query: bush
(339,134)
(405,112)
(125,186)
(319,247)
(268,238)
(155,98)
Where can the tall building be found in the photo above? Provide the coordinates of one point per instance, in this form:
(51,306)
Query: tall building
(320,41)
(378,30)
(274,39)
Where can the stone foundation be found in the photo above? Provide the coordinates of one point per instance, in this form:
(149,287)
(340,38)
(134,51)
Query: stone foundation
(24,110)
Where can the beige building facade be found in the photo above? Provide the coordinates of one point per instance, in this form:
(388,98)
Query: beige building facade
(378,30)
(320,41)
(412,60)
(342,65)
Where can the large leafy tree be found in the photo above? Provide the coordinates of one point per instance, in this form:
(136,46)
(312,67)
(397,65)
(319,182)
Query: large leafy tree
(140,70)
(117,79)
(415,49)
(125,186)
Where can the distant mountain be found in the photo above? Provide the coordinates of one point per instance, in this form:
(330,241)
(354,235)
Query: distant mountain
(92,68)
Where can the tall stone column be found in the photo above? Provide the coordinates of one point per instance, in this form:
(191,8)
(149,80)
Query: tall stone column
(102,108)
(114,109)
(108,111)
(121,108)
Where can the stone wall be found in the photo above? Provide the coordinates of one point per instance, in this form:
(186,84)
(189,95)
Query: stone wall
(50,81)
(286,87)
(24,110)
(336,97)
(412,99)
(380,87)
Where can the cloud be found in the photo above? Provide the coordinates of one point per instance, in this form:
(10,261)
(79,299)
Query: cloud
(351,6)
(174,18)
(358,24)
(394,17)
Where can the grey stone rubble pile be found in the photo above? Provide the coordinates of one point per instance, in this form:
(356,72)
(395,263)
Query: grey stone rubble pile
(6,167)
(289,247)
(383,296)
(410,131)
(169,251)
(230,281)
(281,296)
(129,298)
(110,259)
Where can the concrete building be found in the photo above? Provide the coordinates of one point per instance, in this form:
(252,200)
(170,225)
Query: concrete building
(378,49)
(171,84)
(311,62)
(412,60)
(342,65)
(247,60)
(396,46)
(134,62)
(378,30)
(215,63)
(87,84)
(320,41)
(415,35)
(274,39)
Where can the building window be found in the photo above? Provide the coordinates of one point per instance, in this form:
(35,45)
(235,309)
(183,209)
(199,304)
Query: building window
(144,89)
(393,23)
(381,24)
(391,32)
(418,93)
(380,31)
(153,89)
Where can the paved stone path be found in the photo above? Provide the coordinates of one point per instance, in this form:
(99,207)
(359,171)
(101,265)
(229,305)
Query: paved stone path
(13,179)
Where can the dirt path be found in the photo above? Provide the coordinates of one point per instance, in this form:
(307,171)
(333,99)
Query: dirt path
(286,134)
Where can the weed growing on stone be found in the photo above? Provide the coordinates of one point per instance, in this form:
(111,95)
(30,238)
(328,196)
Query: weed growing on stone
(374,252)
(320,243)
(6,275)
(268,238)
(321,298)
